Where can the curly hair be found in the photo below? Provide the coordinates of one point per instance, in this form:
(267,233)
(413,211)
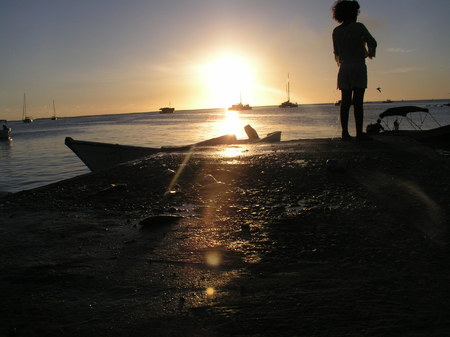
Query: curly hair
(345,10)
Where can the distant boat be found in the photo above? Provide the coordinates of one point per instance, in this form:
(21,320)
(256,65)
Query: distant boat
(54,118)
(167,110)
(5,132)
(388,101)
(288,103)
(240,106)
(25,118)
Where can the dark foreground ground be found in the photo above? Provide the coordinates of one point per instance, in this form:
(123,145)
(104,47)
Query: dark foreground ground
(308,238)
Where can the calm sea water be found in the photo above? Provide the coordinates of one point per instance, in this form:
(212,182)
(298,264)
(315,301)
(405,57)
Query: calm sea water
(37,155)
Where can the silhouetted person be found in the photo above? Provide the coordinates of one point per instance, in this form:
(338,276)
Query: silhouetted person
(396,125)
(375,128)
(350,39)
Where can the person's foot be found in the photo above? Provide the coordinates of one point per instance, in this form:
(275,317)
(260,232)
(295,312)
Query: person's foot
(346,137)
(363,137)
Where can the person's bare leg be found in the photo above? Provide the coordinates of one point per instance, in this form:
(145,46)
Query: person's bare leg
(358,100)
(346,102)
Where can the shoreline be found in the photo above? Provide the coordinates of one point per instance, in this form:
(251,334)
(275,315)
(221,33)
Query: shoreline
(314,237)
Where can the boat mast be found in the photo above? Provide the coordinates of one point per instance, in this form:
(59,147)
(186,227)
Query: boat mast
(24,108)
(288,90)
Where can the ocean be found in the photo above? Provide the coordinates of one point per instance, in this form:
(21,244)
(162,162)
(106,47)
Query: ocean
(37,155)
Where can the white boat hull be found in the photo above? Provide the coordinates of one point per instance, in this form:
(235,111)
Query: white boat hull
(99,156)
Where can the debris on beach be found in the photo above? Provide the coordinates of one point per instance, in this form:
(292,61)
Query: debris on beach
(115,188)
(210,184)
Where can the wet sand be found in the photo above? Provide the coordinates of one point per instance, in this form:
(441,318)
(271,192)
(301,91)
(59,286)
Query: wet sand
(305,238)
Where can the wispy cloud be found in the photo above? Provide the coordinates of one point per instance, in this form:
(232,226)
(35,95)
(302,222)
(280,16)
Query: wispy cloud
(399,50)
(405,70)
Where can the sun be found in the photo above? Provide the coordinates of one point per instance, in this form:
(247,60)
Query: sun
(229,79)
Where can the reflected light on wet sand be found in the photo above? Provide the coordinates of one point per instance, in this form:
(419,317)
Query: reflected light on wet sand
(210,291)
(232,151)
(213,258)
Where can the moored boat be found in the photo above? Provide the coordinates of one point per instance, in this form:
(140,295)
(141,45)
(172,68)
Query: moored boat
(25,117)
(166,110)
(54,118)
(240,107)
(288,103)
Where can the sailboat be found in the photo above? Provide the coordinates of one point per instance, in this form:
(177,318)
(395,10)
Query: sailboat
(288,103)
(25,118)
(240,106)
(167,110)
(54,118)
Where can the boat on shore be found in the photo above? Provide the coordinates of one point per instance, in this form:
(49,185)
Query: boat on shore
(99,156)
(440,135)
(437,136)
(5,131)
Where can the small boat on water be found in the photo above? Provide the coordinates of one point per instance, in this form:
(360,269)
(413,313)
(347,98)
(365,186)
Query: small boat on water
(101,156)
(240,106)
(166,110)
(288,103)
(54,118)
(25,117)
(5,131)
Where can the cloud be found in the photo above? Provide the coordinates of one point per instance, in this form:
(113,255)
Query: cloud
(399,50)
(405,70)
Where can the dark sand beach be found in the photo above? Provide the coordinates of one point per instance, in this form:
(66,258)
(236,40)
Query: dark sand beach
(303,238)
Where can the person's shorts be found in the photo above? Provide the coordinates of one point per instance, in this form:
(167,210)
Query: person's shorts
(352,75)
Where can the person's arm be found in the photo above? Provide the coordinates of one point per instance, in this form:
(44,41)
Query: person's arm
(335,51)
(370,41)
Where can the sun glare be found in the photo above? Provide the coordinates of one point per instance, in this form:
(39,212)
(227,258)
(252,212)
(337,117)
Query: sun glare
(228,77)
(231,124)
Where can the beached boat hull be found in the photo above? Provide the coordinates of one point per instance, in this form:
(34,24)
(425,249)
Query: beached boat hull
(99,156)
(440,135)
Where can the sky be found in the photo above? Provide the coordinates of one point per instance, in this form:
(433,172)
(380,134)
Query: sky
(118,56)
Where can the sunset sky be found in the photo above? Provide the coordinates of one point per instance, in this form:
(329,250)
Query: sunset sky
(116,56)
